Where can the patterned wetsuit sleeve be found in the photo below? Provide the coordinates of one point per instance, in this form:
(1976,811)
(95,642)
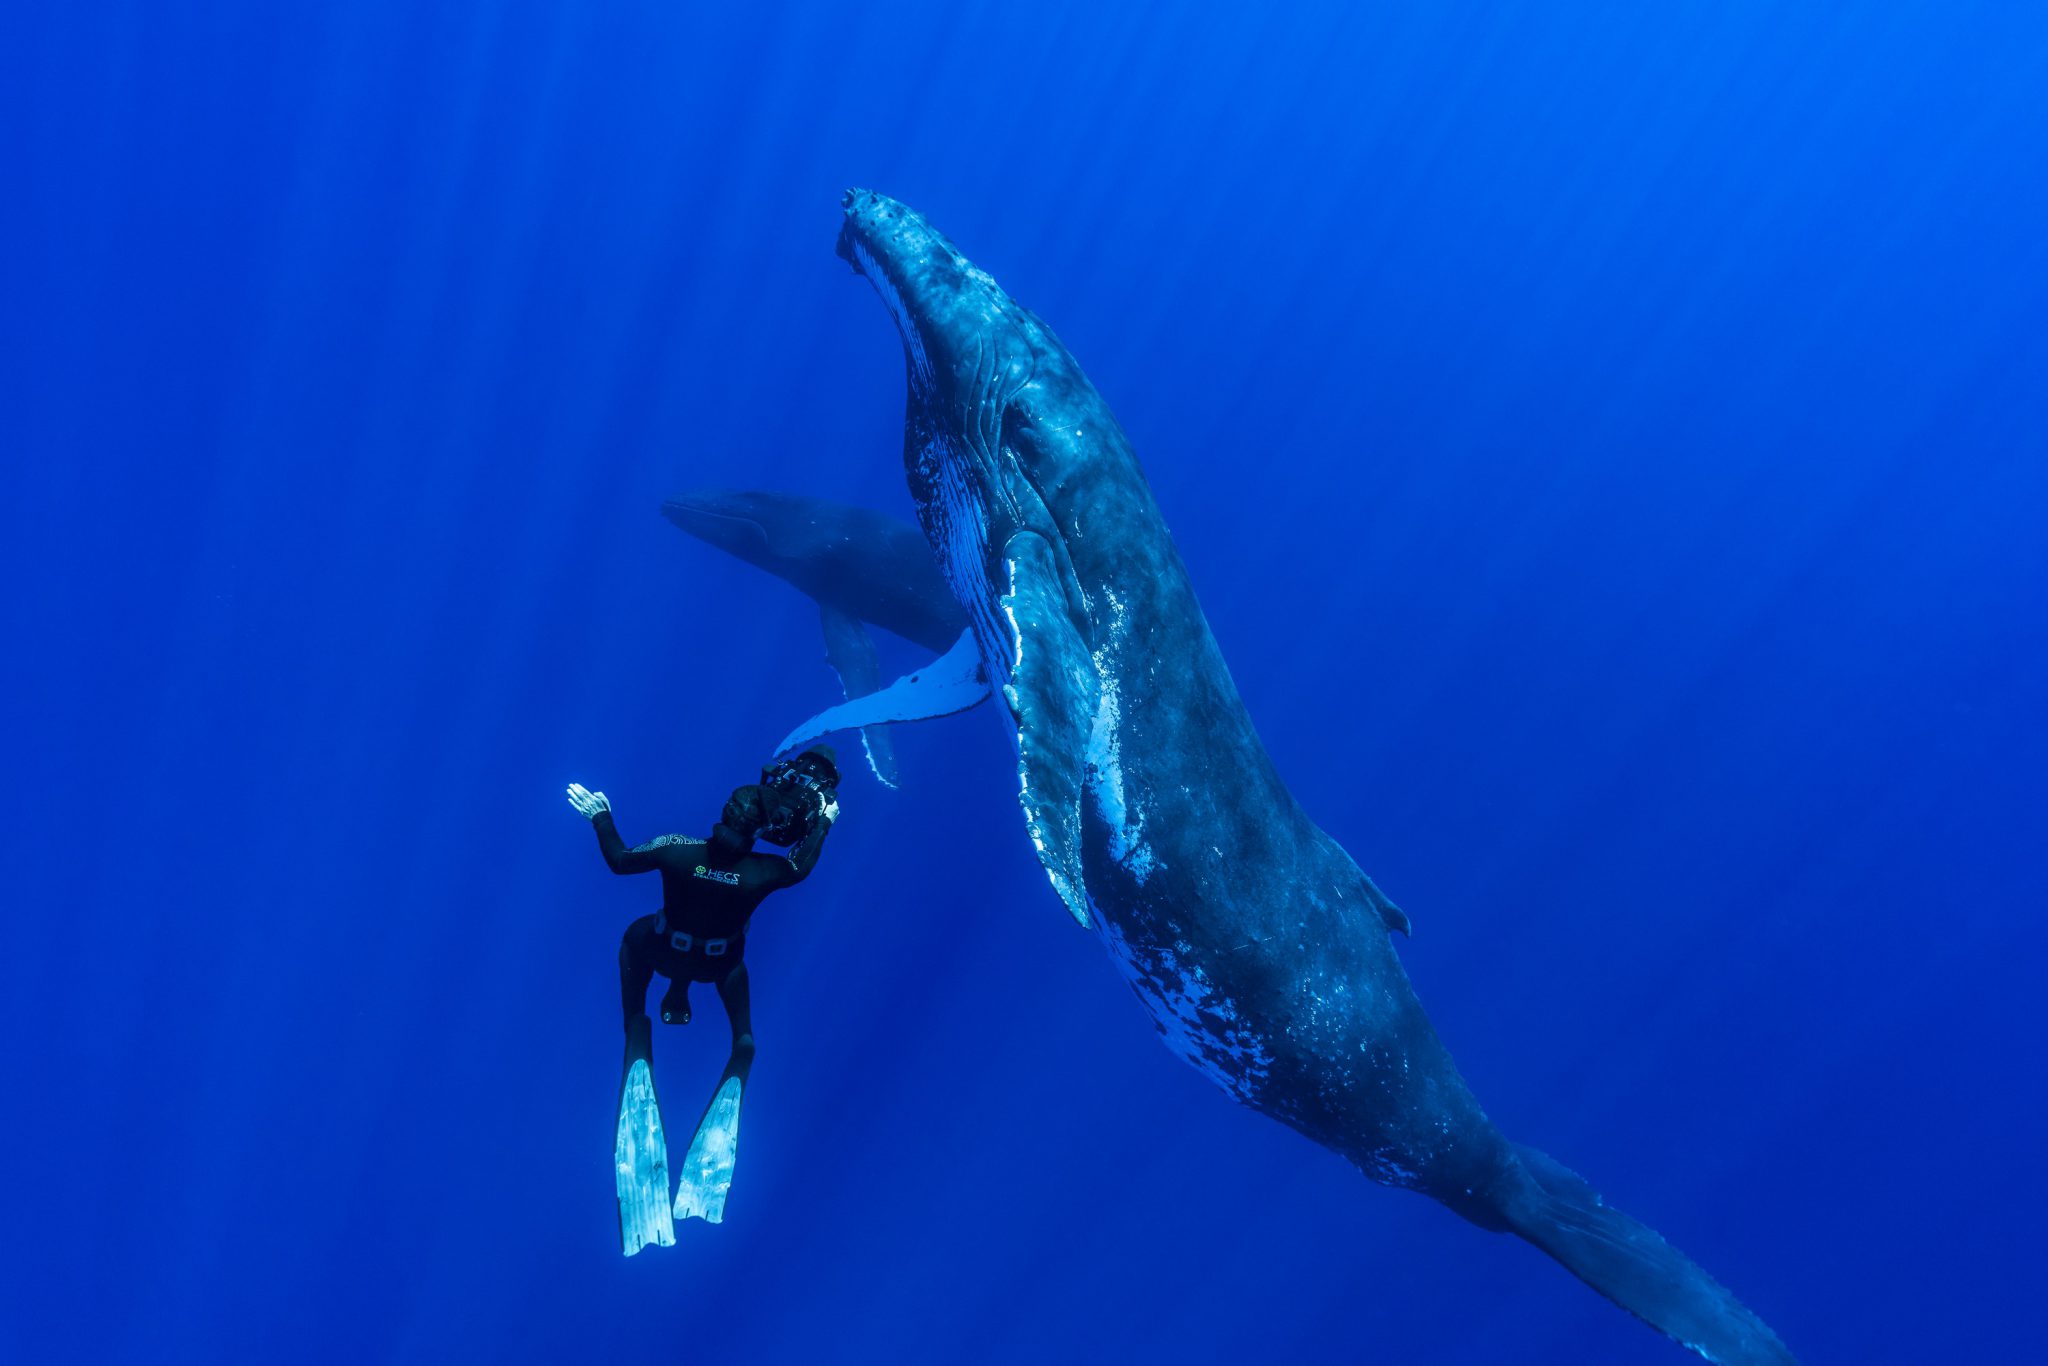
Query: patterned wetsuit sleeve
(644,858)
(804,857)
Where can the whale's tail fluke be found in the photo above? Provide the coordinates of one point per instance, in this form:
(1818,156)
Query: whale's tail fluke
(1630,1264)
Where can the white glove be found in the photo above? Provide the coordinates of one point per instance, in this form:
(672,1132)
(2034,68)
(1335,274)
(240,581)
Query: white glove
(589,805)
(828,807)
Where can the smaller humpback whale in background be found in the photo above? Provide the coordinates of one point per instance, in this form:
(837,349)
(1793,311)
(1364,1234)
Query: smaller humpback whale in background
(859,566)
(1260,948)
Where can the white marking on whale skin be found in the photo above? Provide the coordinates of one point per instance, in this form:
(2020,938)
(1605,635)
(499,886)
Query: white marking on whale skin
(1104,756)
(1016,631)
(1142,863)
(1384,1166)
(1199,1024)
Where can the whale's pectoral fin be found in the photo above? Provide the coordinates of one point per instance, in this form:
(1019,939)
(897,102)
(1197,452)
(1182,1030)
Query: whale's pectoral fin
(1052,693)
(850,650)
(951,683)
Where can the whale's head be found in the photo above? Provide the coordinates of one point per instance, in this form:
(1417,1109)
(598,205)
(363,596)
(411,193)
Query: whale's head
(1002,425)
(736,521)
(956,322)
(804,541)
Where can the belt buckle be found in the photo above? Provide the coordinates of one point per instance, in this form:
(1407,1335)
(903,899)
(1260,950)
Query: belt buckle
(680,942)
(715,948)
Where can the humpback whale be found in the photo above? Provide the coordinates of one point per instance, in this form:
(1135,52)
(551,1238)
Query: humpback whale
(1262,951)
(860,567)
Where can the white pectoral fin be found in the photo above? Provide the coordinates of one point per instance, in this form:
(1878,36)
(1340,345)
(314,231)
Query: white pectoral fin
(850,650)
(1052,695)
(951,683)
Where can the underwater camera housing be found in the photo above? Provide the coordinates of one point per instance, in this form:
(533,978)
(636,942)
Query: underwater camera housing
(793,795)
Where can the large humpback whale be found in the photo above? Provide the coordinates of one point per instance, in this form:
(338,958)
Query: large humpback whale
(1260,948)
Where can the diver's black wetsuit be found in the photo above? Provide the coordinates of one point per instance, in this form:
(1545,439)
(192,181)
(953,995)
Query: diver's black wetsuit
(699,935)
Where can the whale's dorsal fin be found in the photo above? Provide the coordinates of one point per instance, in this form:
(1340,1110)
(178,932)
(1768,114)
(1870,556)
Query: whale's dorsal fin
(951,683)
(1391,916)
(1052,693)
(850,650)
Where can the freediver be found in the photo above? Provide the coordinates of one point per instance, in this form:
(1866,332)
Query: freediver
(710,890)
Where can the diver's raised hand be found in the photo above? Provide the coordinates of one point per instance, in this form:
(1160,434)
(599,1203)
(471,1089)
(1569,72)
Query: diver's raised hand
(828,807)
(589,805)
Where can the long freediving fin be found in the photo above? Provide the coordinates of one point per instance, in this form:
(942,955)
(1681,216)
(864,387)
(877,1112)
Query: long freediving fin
(951,683)
(706,1173)
(639,1152)
(1052,693)
(850,650)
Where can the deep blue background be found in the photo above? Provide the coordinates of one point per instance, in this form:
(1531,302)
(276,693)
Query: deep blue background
(1612,445)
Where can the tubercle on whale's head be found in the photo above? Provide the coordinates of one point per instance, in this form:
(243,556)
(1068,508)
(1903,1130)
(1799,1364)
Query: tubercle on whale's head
(886,235)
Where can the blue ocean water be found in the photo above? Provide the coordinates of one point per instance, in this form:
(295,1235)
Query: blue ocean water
(1611,444)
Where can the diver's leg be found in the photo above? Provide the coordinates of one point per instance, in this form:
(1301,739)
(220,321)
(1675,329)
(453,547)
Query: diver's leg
(706,1172)
(636,968)
(732,990)
(639,1151)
